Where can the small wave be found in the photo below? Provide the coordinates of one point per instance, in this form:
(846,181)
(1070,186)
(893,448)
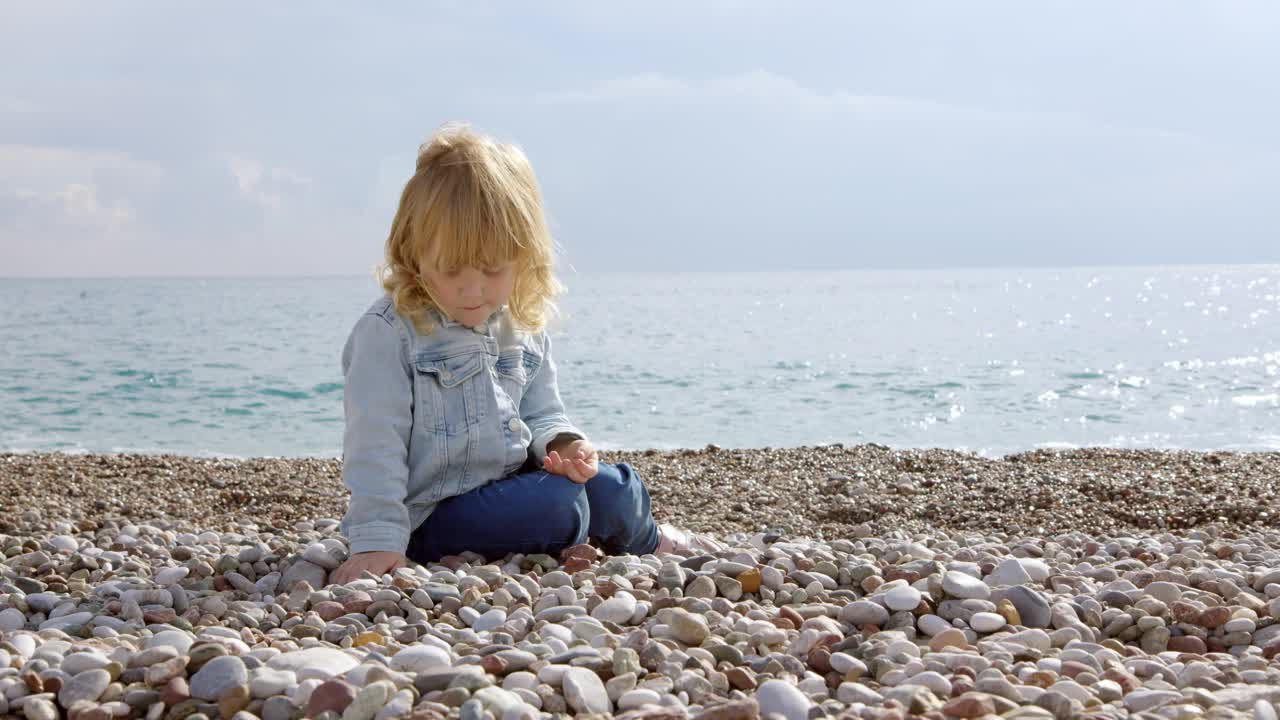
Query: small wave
(1256,400)
(1086,375)
(236,411)
(291,394)
(324,388)
(1056,445)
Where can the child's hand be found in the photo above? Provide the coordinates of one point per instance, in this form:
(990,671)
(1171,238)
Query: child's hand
(378,562)
(579,461)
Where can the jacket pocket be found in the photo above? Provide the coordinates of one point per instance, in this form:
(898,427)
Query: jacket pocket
(450,401)
(510,366)
(531,360)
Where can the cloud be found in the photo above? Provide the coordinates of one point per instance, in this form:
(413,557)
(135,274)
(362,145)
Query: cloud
(265,186)
(771,91)
(76,204)
(53,167)
(61,187)
(11,104)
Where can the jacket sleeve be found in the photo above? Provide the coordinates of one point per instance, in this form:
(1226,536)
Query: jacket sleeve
(378,407)
(541,408)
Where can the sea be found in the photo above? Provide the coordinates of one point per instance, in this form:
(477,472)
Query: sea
(992,361)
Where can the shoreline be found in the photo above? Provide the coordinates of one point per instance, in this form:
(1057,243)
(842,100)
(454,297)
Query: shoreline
(822,492)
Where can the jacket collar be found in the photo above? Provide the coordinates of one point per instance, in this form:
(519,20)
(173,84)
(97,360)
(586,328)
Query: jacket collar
(445,321)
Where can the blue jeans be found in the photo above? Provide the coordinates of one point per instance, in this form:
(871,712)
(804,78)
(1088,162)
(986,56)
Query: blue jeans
(534,511)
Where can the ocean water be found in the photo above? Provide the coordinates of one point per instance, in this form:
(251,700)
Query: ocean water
(993,361)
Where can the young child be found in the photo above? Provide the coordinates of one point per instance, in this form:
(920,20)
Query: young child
(456,438)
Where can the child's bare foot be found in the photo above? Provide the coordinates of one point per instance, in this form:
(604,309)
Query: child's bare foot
(673,541)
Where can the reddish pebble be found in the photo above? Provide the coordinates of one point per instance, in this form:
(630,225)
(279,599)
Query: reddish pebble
(1071,668)
(960,685)
(970,705)
(329,610)
(1126,680)
(1187,644)
(162,615)
(453,562)
(220,583)
(820,659)
(584,551)
(1214,617)
(493,664)
(576,564)
(791,615)
(333,695)
(356,602)
(893,572)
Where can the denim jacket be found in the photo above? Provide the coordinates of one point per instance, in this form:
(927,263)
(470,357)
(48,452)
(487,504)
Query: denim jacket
(432,416)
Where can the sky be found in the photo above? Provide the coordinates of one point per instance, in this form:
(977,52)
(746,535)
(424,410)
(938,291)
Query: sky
(185,139)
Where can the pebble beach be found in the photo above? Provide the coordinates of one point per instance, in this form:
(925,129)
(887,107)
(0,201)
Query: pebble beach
(859,581)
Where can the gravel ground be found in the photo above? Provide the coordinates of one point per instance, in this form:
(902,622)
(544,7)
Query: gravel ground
(857,582)
(828,491)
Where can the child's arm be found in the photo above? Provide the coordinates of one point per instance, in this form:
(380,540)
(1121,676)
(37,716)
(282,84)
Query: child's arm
(541,407)
(378,405)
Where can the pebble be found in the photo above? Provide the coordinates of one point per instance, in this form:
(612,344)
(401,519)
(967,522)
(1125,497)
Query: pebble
(865,612)
(88,685)
(617,609)
(584,691)
(963,585)
(902,597)
(688,628)
(218,676)
(779,696)
(417,658)
(986,622)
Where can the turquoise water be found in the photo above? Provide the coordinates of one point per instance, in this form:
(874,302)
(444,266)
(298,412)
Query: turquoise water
(993,361)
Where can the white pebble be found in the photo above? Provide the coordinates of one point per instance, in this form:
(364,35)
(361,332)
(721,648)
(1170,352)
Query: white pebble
(986,622)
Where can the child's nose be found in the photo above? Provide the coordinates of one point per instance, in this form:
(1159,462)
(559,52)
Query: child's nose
(472,285)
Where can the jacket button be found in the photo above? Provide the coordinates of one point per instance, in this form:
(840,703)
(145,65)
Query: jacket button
(513,424)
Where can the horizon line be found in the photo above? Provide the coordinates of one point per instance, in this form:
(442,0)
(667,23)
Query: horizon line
(892,268)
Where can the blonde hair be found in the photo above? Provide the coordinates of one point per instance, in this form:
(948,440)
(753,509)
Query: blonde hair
(471,202)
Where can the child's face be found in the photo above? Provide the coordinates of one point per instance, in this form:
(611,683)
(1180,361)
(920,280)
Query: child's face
(470,295)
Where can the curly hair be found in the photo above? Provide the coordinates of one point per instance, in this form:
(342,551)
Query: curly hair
(472,202)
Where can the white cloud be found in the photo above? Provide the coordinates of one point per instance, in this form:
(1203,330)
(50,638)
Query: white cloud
(76,204)
(767,91)
(265,186)
(11,104)
(53,189)
(53,168)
